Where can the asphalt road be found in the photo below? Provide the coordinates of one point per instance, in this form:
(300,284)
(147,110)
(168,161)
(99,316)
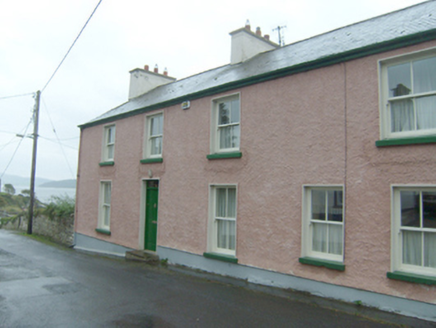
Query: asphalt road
(43,285)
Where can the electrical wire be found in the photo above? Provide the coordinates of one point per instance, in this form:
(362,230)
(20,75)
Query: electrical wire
(98,4)
(16,96)
(16,149)
(57,137)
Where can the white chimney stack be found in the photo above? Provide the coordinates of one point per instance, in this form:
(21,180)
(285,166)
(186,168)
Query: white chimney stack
(246,44)
(143,80)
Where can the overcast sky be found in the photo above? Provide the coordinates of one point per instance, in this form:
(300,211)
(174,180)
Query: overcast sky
(187,37)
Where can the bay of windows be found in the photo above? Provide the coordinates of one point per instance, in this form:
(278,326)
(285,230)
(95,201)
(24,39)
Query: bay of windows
(154,135)
(323,223)
(223,220)
(226,124)
(109,143)
(414,241)
(409,89)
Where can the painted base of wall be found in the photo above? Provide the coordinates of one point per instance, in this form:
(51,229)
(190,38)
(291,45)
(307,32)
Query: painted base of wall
(383,302)
(254,275)
(90,244)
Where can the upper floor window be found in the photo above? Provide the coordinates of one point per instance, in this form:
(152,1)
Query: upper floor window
(409,95)
(323,223)
(109,143)
(154,134)
(225,124)
(414,230)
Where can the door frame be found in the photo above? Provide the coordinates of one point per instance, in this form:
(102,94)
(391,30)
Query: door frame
(142,218)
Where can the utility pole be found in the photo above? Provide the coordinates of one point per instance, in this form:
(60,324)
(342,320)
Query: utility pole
(32,175)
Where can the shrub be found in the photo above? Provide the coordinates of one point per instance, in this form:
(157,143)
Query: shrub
(60,207)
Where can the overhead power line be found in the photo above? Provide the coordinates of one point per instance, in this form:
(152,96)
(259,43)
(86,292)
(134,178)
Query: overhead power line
(15,96)
(54,73)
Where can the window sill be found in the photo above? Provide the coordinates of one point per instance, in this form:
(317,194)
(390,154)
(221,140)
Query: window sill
(151,160)
(322,263)
(405,141)
(221,257)
(225,155)
(411,277)
(111,163)
(103,231)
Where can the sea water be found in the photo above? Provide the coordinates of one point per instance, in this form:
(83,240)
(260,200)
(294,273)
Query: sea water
(44,194)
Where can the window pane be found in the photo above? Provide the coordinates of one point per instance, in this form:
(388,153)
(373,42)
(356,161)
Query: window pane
(410,209)
(402,115)
(225,137)
(424,75)
(221,202)
(106,214)
(319,238)
(399,80)
(426,112)
(231,205)
(412,247)
(235,136)
(235,111)
(224,113)
(318,205)
(107,193)
(156,146)
(110,151)
(429,209)
(335,205)
(156,125)
(232,235)
(335,239)
(226,234)
(110,135)
(430,249)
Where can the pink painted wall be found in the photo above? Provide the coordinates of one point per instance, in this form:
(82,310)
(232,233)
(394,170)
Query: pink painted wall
(317,127)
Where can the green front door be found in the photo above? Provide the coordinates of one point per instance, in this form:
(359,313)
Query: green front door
(151,201)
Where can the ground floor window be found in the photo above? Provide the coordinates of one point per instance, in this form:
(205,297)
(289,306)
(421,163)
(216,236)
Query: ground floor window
(105,205)
(414,230)
(222,226)
(323,223)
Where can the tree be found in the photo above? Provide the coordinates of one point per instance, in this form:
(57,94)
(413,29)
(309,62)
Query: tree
(8,188)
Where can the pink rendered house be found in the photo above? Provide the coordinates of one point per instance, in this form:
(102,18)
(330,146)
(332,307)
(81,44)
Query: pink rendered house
(309,166)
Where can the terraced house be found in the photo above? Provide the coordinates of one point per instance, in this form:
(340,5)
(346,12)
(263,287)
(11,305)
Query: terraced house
(309,166)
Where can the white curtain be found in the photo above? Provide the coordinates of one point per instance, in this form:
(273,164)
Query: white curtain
(412,247)
(319,238)
(426,112)
(430,249)
(335,239)
(402,116)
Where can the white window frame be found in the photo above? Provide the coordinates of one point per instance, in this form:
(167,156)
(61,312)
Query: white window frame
(107,144)
(213,224)
(148,137)
(396,231)
(385,99)
(307,223)
(104,215)
(216,127)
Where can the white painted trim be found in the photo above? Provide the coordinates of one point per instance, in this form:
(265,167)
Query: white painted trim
(145,146)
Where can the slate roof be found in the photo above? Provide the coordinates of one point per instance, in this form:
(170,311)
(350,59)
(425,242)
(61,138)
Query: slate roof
(377,34)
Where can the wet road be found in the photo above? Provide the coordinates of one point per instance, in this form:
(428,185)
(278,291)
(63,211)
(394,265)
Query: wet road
(43,285)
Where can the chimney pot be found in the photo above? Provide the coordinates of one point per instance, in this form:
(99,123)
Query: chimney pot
(266,36)
(156,69)
(247,25)
(258,31)
(146,67)
(165,72)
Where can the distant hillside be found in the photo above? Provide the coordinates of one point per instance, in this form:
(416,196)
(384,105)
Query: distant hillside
(59,184)
(16,180)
